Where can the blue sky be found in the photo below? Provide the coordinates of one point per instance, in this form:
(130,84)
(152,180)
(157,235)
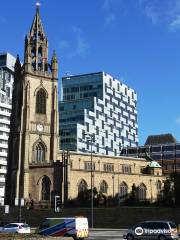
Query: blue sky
(137,41)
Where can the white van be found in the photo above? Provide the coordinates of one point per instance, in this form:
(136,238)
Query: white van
(76,227)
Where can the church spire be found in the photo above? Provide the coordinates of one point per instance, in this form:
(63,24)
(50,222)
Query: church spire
(36,46)
(37,26)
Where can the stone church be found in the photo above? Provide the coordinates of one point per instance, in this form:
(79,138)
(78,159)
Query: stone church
(37,169)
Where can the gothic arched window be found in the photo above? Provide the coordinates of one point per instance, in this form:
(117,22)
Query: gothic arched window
(39,152)
(82,186)
(41,102)
(123,190)
(45,190)
(103,187)
(142,192)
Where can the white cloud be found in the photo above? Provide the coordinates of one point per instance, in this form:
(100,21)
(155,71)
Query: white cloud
(175,24)
(76,46)
(166,12)
(63,44)
(178,120)
(161,12)
(109,7)
(106,5)
(109,4)
(82,45)
(152,14)
(110,19)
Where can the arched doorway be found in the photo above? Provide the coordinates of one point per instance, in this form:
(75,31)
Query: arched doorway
(45,188)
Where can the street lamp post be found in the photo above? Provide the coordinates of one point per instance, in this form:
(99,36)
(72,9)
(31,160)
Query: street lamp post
(175,167)
(92,195)
(151,189)
(90,139)
(113,185)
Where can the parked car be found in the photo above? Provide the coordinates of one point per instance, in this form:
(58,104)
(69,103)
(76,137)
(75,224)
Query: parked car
(75,227)
(153,230)
(16,228)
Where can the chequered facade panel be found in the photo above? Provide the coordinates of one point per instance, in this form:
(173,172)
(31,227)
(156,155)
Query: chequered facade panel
(112,120)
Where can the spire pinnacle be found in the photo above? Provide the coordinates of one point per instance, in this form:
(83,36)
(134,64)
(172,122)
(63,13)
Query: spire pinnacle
(37,24)
(36,45)
(54,57)
(38,6)
(17,65)
(54,65)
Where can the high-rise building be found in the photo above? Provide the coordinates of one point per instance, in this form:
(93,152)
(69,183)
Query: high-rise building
(7,62)
(162,148)
(101,106)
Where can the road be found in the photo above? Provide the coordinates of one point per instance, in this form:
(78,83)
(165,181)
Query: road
(95,234)
(106,234)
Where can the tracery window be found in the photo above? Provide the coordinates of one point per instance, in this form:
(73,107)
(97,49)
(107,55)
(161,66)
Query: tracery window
(123,191)
(103,187)
(39,152)
(142,192)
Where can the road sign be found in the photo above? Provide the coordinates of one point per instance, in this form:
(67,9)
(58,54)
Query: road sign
(6,209)
(16,201)
(22,202)
(57,205)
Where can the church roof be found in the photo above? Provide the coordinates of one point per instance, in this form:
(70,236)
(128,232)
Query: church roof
(160,139)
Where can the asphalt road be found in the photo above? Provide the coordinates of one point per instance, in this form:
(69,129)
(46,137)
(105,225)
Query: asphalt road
(95,234)
(106,234)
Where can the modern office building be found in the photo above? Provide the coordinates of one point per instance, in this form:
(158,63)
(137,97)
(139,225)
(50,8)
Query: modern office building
(162,148)
(98,106)
(7,62)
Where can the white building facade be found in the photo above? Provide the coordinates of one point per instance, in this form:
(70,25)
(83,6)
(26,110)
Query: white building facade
(99,106)
(5,112)
(7,62)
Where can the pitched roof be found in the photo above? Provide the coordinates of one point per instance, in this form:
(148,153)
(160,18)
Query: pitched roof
(160,139)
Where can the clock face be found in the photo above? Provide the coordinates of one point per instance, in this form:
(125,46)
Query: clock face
(40,127)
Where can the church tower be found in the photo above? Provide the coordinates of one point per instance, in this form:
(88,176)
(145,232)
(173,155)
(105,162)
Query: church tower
(34,130)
